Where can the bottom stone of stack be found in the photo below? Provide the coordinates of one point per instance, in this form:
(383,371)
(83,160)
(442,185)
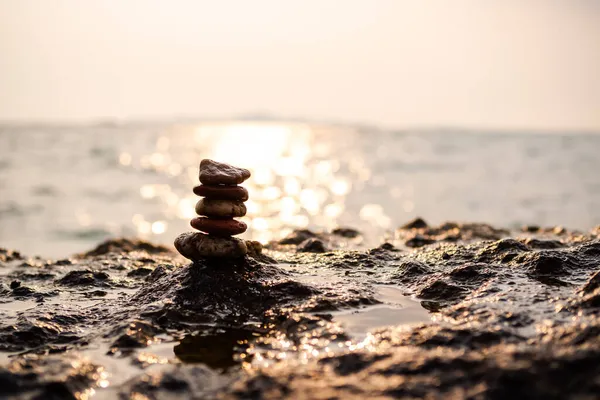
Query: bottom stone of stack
(196,245)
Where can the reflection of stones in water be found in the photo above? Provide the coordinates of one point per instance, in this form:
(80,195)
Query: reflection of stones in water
(216,348)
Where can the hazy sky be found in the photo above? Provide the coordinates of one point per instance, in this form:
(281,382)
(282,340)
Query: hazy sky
(494,64)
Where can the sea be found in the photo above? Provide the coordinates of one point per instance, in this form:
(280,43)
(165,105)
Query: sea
(66,188)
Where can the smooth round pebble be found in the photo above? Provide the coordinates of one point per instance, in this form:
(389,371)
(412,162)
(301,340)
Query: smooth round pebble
(222,192)
(216,173)
(219,226)
(197,245)
(220,208)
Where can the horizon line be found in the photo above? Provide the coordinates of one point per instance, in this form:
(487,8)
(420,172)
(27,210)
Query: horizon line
(268,117)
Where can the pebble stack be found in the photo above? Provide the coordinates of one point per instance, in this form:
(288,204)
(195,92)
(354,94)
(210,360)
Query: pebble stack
(223,200)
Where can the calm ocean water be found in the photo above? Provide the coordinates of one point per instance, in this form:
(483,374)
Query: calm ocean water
(64,189)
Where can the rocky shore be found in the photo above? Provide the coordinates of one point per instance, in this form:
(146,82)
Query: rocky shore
(499,314)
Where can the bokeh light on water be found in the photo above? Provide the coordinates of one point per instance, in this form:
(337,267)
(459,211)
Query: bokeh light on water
(64,189)
(295,181)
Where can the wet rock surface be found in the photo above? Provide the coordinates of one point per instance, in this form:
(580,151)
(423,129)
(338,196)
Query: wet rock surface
(506,314)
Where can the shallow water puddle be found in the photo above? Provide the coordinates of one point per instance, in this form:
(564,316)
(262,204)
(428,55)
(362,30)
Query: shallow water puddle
(15,306)
(116,372)
(396,309)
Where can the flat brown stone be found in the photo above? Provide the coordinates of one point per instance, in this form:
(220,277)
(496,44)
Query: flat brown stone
(196,245)
(221,227)
(222,192)
(216,173)
(220,208)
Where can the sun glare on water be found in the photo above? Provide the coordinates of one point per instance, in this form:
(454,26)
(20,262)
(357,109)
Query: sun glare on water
(297,182)
(280,159)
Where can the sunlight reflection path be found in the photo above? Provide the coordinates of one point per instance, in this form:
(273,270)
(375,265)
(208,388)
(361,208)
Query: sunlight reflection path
(297,180)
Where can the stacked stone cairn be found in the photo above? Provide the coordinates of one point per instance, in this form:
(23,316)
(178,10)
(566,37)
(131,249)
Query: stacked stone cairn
(223,201)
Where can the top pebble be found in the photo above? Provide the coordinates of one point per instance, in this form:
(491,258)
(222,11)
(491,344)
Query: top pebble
(216,173)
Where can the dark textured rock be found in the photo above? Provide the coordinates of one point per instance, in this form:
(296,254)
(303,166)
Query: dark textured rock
(137,335)
(592,284)
(530,228)
(547,263)
(298,236)
(349,233)
(83,278)
(233,290)
(505,245)
(471,273)
(387,247)
(216,173)
(312,245)
(440,290)
(125,245)
(589,301)
(175,382)
(9,255)
(543,243)
(254,248)
(418,373)
(417,233)
(52,378)
(417,223)
(418,241)
(352,363)
(512,320)
(591,248)
(142,271)
(409,270)
(23,291)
